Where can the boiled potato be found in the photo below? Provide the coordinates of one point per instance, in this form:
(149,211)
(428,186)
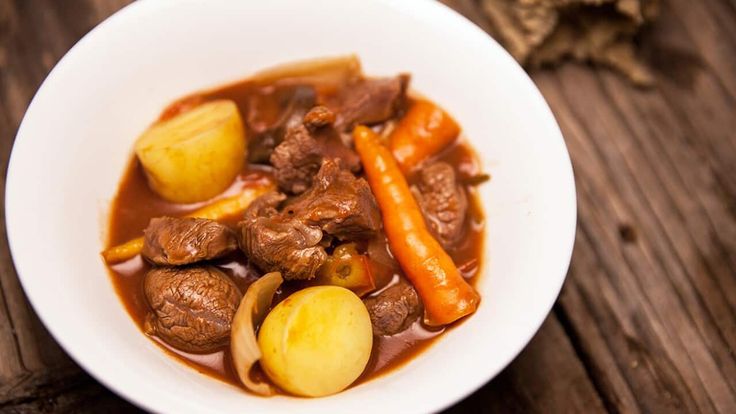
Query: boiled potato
(317,341)
(195,155)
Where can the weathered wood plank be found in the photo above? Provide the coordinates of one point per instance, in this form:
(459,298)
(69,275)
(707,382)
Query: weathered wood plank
(683,189)
(617,185)
(703,22)
(695,92)
(616,309)
(546,377)
(76,393)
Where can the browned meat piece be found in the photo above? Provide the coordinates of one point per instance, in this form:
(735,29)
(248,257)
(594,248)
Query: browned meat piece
(298,158)
(264,206)
(320,122)
(318,117)
(371,101)
(294,103)
(338,203)
(443,202)
(179,241)
(193,307)
(332,147)
(276,242)
(393,310)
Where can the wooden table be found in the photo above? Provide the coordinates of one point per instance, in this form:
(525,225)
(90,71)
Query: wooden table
(647,318)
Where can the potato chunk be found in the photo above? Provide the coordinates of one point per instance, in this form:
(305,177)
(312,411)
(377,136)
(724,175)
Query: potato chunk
(195,155)
(317,341)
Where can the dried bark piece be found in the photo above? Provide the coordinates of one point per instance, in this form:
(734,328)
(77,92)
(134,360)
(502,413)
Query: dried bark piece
(547,32)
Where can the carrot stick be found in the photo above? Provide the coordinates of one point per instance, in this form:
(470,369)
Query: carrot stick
(123,252)
(424,131)
(220,209)
(446,295)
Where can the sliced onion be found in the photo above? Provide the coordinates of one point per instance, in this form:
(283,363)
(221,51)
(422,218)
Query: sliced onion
(243,343)
(321,71)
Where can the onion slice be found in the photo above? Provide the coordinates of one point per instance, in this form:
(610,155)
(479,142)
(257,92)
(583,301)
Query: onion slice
(334,71)
(243,343)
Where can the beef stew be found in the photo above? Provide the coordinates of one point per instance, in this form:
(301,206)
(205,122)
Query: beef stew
(303,205)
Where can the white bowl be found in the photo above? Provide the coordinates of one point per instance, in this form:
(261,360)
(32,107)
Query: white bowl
(77,135)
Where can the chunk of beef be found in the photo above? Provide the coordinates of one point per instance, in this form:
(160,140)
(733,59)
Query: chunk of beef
(193,307)
(294,104)
(318,117)
(298,158)
(333,147)
(319,121)
(179,241)
(370,101)
(393,310)
(338,203)
(264,206)
(443,202)
(275,241)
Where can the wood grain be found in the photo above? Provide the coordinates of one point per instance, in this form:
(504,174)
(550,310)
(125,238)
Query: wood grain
(647,319)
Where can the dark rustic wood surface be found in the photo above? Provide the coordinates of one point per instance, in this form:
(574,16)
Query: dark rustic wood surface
(647,319)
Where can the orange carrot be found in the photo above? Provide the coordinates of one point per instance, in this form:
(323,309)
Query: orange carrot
(424,131)
(446,295)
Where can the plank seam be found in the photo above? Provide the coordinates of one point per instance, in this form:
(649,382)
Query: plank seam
(584,358)
(623,256)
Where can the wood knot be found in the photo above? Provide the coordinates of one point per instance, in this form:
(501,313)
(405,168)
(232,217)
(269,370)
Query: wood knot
(627,233)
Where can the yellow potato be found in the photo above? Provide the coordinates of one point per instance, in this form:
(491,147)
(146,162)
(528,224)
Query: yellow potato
(195,155)
(317,341)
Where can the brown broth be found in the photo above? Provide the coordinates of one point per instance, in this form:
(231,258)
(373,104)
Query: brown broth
(135,204)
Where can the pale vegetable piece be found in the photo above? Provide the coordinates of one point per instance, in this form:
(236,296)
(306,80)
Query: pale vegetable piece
(317,341)
(123,252)
(322,71)
(220,209)
(231,206)
(243,343)
(195,155)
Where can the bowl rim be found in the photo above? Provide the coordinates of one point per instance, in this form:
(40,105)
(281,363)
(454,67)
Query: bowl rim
(140,6)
